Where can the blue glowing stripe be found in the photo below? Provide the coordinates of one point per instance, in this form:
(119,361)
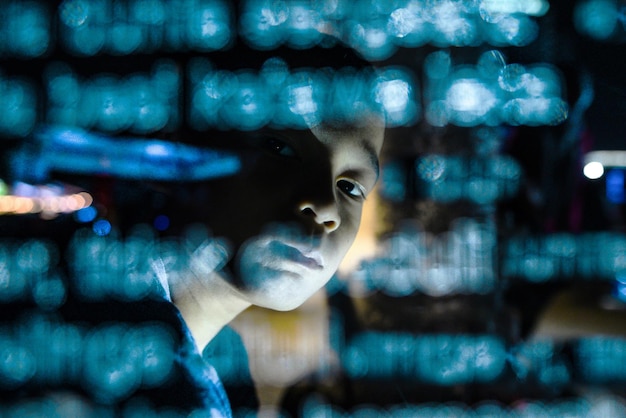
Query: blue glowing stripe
(73,150)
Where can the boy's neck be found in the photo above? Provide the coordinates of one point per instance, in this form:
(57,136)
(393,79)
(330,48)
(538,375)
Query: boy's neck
(207,305)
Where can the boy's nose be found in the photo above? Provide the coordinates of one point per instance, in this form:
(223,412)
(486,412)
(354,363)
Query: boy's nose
(325,214)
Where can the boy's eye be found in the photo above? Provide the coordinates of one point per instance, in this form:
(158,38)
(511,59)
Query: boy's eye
(278,147)
(351,189)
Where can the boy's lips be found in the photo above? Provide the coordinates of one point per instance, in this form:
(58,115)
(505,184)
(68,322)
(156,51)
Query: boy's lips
(301,254)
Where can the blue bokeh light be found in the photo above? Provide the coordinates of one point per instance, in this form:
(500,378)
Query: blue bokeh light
(616,186)
(102,227)
(453,178)
(18,106)
(87,214)
(249,106)
(209,25)
(123,28)
(375,28)
(261,23)
(592,256)
(26,31)
(141,103)
(597,19)
(161,222)
(393,182)
(413,261)
(492,92)
(397,92)
(441,359)
(299,97)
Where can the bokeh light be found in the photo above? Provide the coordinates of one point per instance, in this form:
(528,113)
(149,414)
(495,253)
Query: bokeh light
(615,186)
(593,170)
(161,222)
(438,358)
(597,256)
(492,92)
(413,261)
(397,92)
(27,32)
(102,227)
(575,406)
(43,350)
(454,178)
(18,106)
(46,200)
(377,29)
(249,100)
(602,359)
(140,103)
(597,19)
(102,122)
(143,26)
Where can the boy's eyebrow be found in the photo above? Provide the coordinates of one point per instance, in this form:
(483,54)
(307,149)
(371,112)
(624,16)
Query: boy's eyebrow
(372,157)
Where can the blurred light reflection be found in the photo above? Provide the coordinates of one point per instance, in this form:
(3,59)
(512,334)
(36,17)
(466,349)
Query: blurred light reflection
(143,26)
(377,29)
(18,106)
(47,201)
(453,178)
(592,255)
(439,358)
(26,31)
(43,350)
(249,100)
(597,19)
(492,92)
(458,262)
(140,103)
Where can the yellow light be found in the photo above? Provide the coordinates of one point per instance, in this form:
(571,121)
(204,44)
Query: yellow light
(47,206)
(87,197)
(23,205)
(6,204)
(74,202)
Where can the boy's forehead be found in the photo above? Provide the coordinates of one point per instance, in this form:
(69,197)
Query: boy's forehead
(368,134)
(352,143)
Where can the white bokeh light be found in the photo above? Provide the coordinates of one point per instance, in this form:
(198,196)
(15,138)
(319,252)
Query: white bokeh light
(593,170)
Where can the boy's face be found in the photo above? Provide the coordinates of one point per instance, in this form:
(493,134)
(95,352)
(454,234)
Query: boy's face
(293,212)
